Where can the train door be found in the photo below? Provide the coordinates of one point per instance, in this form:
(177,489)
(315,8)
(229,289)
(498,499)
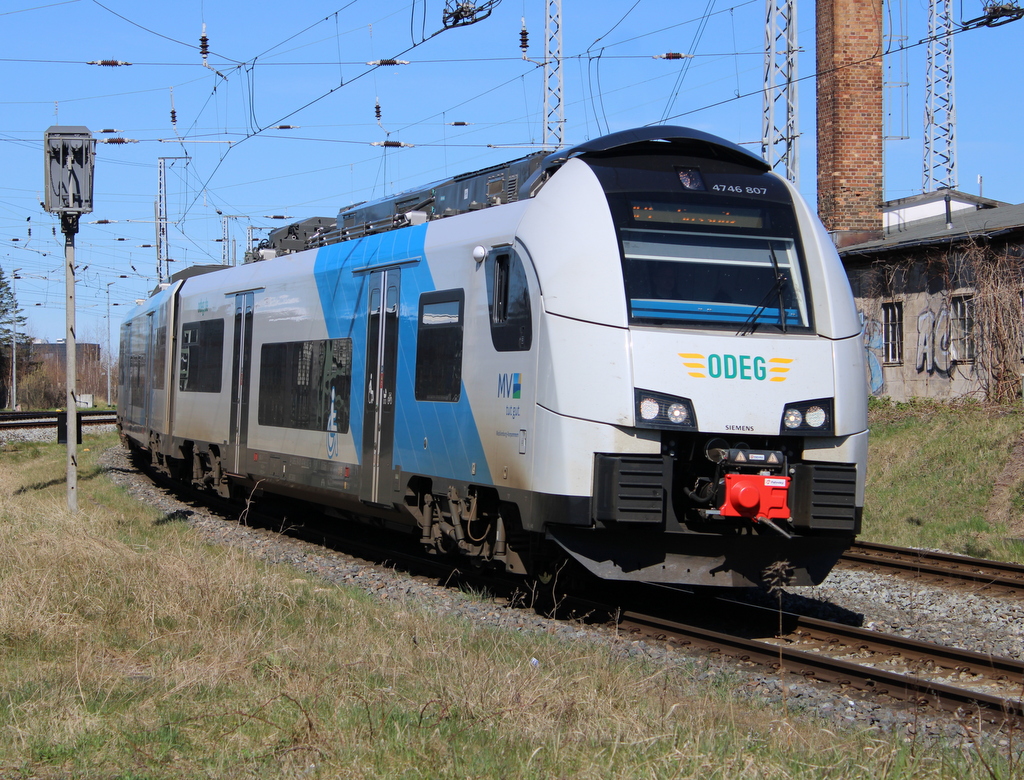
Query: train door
(150,379)
(241,360)
(137,345)
(379,401)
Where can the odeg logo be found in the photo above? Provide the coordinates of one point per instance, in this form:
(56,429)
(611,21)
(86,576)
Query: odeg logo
(752,367)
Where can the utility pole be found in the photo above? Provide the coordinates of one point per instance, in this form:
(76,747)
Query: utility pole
(109,353)
(14,343)
(227,250)
(70,157)
(161,218)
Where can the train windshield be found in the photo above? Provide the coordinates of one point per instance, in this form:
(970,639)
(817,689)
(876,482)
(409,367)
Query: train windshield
(726,262)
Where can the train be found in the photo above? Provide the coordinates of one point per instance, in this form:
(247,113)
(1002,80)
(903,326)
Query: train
(640,354)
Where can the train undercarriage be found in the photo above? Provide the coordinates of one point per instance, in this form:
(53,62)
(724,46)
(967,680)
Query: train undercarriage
(739,516)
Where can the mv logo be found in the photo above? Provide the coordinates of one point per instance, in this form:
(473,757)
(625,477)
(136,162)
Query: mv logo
(509,385)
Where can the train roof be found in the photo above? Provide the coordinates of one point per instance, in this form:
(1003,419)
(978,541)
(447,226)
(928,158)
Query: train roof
(493,186)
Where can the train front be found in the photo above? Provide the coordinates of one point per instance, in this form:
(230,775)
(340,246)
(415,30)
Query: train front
(742,458)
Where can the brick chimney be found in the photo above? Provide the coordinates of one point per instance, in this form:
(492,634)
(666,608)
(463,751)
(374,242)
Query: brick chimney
(849,47)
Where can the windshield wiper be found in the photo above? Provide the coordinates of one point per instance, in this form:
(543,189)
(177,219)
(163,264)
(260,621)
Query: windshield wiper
(777,289)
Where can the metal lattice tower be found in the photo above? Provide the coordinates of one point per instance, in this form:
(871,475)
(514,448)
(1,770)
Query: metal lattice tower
(161,217)
(779,126)
(939,110)
(554,109)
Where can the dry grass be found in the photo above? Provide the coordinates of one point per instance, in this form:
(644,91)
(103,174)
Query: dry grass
(131,650)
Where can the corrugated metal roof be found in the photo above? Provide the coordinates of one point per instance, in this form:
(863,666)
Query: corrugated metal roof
(966,225)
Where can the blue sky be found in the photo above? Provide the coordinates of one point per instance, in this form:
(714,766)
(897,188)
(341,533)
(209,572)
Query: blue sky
(305,65)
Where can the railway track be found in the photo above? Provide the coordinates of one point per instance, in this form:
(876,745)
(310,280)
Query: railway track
(992,577)
(883,664)
(16,420)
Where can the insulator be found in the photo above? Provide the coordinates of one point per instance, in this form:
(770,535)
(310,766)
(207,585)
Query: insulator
(174,117)
(393,144)
(672,55)
(108,63)
(524,40)
(204,45)
(388,62)
(118,140)
(460,124)
(376,110)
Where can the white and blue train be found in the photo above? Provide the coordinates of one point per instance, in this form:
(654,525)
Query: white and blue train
(641,352)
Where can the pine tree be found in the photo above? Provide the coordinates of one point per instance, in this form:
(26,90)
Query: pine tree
(12,322)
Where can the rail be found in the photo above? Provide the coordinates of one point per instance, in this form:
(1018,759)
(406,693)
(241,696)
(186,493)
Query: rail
(16,420)
(945,567)
(915,672)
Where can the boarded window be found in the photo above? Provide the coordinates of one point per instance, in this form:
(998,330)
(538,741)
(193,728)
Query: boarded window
(961,328)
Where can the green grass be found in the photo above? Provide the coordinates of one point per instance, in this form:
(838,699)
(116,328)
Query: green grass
(932,469)
(130,649)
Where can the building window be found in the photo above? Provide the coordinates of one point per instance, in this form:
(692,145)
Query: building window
(892,331)
(961,328)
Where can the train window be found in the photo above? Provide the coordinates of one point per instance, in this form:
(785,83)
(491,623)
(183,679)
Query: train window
(137,361)
(122,373)
(306,385)
(712,259)
(508,301)
(716,279)
(160,358)
(202,355)
(439,346)
(498,277)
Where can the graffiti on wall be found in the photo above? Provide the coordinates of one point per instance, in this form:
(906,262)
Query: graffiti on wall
(935,353)
(933,340)
(873,346)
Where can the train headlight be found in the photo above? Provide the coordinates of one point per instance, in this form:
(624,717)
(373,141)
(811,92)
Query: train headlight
(815,417)
(649,408)
(808,417)
(678,414)
(667,412)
